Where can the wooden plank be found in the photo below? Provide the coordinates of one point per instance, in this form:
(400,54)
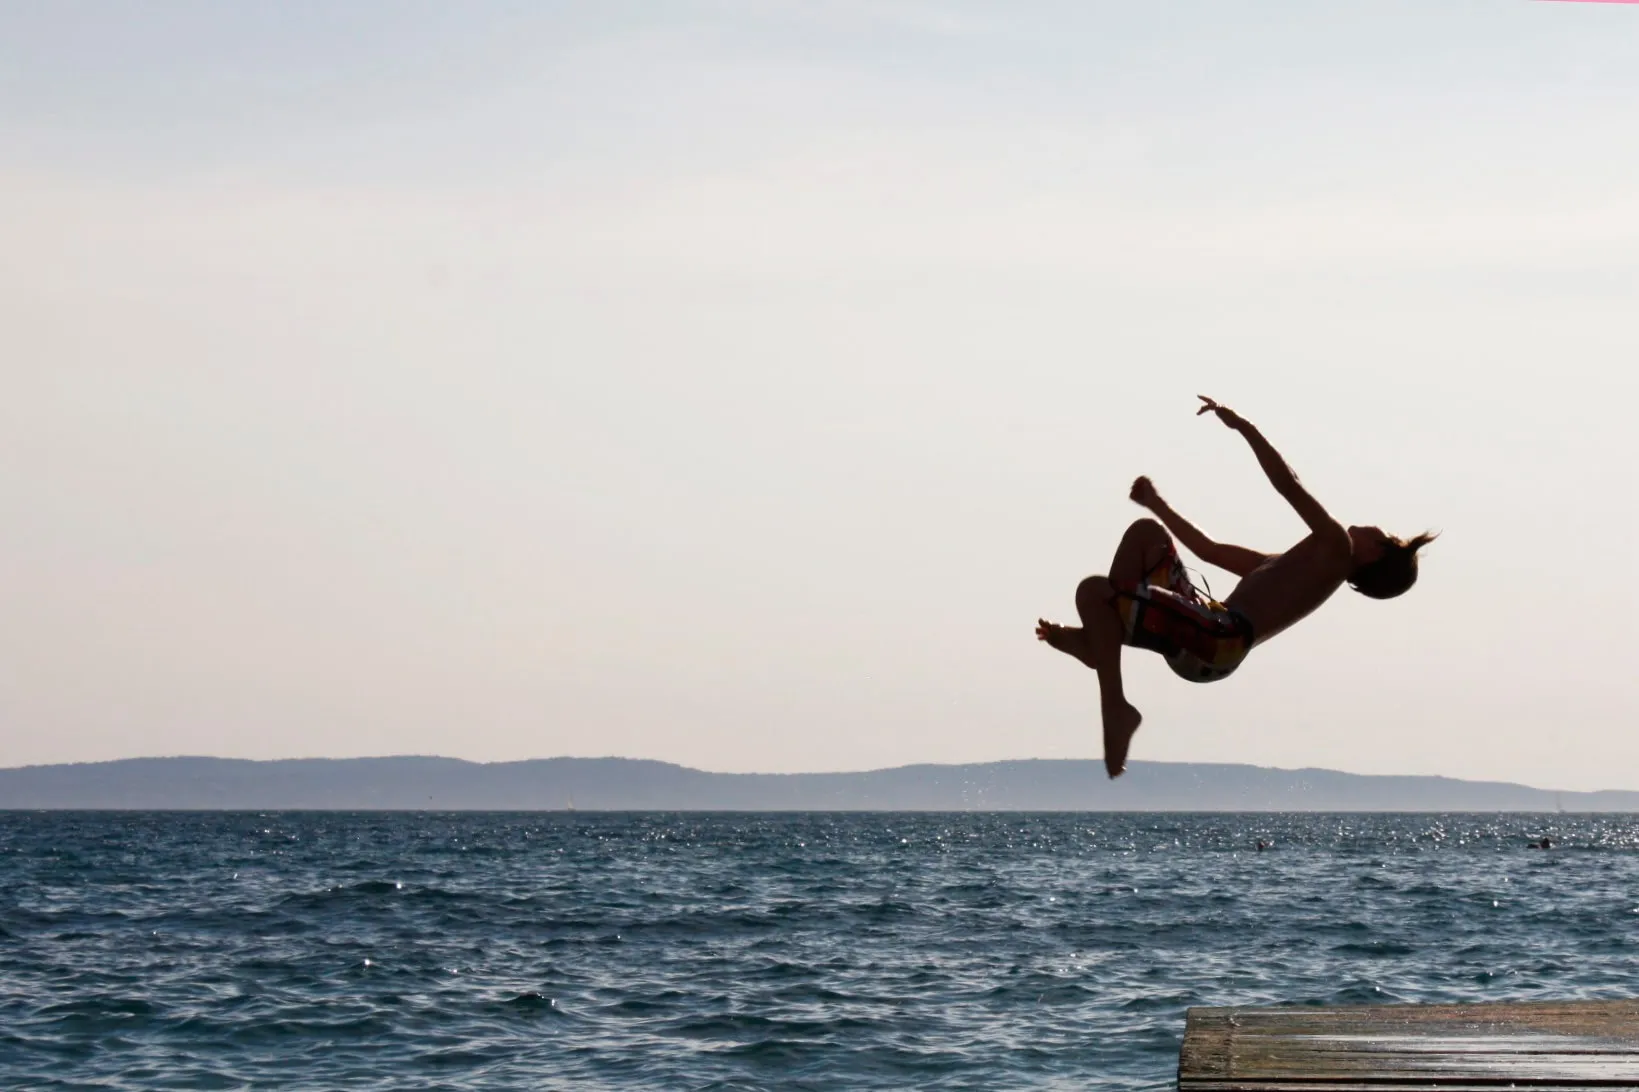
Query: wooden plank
(1453,1048)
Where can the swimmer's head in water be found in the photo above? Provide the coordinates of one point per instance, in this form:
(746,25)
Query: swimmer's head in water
(1384,566)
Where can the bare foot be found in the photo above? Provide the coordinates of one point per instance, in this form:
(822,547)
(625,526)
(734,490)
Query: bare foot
(1120,722)
(1070,640)
(1052,633)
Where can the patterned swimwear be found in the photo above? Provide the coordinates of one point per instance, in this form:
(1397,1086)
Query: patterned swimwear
(1201,639)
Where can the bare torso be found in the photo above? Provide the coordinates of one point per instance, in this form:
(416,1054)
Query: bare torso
(1287,587)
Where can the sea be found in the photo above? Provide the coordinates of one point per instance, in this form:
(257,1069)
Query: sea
(690,951)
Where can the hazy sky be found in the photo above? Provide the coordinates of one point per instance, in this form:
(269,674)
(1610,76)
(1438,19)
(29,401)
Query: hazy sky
(735,383)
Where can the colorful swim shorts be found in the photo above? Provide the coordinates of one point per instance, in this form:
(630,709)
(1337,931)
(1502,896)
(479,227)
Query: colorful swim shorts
(1201,639)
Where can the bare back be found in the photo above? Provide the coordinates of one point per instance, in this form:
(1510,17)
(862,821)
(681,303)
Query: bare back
(1288,587)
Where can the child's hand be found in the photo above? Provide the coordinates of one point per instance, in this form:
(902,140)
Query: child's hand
(1225,414)
(1143,493)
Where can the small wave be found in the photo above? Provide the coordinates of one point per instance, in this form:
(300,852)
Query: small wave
(112,1007)
(781,970)
(1045,993)
(343,893)
(885,909)
(643,1006)
(782,1052)
(806,993)
(1381,949)
(532,1005)
(1363,993)
(444,896)
(459,1058)
(1348,928)
(270,1032)
(66,918)
(1172,1002)
(749,1026)
(360,865)
(736,919)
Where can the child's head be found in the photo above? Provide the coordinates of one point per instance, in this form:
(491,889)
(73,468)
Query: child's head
(1385,566)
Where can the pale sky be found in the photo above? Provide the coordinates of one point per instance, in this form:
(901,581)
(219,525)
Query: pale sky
(734,383)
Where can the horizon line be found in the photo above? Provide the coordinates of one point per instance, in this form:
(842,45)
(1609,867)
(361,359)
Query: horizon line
(805,773)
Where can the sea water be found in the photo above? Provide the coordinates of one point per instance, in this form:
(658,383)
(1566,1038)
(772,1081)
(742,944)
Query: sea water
(769,951)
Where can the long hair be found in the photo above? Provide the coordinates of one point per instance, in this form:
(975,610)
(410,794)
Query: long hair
(1395,572)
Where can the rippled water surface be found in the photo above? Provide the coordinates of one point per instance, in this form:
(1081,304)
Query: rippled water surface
(825,951)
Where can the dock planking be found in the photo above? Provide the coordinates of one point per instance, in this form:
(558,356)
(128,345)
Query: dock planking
(1453,1048)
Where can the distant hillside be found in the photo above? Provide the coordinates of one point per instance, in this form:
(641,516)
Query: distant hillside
(610,784)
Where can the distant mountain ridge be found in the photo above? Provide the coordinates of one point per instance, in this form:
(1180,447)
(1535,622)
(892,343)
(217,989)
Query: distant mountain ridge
(418,783)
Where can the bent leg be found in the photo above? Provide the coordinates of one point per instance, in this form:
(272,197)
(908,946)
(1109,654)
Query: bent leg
(1103,632)
(1143,548)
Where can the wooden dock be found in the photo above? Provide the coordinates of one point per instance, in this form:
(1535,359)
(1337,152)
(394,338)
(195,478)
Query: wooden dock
(1450,1048)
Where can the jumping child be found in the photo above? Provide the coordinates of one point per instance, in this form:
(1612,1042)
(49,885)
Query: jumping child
(1148,601)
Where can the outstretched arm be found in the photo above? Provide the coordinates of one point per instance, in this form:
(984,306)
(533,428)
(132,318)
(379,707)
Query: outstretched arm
(1280,475)
(1236,559)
